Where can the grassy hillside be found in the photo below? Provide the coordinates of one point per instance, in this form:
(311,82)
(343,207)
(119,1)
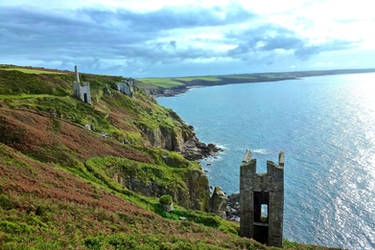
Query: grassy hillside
(81,176)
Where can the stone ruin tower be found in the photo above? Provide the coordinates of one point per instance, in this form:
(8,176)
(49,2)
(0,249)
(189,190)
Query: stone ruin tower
(81,91)
(262,201)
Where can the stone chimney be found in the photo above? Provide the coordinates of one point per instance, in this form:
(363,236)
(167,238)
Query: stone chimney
(77,74)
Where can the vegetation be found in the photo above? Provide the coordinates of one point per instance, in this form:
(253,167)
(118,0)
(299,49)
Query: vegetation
(31,71)
(165,199)
(161,82)
(64,185)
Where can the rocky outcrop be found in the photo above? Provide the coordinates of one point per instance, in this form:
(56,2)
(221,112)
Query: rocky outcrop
(180,139)
(233,208)
(218,202)
(192,194)
(199,191)
(126,87)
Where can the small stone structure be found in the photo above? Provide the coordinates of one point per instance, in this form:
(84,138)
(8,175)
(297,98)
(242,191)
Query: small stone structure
(262,201)
(81,91)
(126,87)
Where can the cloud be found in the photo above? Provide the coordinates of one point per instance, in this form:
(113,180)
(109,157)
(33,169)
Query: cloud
(121,37)
(188,17)
(272,37)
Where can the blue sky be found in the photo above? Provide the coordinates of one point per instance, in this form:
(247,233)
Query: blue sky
(190,37)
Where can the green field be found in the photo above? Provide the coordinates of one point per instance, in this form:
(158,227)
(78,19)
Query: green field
(201,78)
(173,82)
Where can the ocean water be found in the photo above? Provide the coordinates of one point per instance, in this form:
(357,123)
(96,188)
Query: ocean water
(326,127)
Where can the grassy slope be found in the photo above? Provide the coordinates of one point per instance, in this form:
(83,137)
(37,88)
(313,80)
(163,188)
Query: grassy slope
(31,71)
(58,187)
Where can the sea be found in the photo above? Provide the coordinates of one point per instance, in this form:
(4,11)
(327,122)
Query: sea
(326,127)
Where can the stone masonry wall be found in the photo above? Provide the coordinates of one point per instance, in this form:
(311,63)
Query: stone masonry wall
(271,183)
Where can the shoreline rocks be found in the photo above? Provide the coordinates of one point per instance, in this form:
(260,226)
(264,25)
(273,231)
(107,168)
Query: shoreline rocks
(233,207)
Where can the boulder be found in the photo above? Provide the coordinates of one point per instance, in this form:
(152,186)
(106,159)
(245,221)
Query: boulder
(218,202)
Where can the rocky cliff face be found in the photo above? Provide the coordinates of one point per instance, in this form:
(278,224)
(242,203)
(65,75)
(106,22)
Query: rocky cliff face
(218,202)
(180,139)
(171,175)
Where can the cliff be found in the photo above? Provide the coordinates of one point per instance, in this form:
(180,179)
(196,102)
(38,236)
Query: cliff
(75,175)
(41,119)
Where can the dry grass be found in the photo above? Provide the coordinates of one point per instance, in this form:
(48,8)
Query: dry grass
(31,133)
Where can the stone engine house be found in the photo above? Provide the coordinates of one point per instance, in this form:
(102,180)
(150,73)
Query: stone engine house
(262,201)
(81,91)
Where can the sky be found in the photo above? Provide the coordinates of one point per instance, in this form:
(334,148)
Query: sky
(159,38)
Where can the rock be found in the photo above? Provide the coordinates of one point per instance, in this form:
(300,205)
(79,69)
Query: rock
(126,87)
(181,139)
(206,171)
(218,202)
(233,207)
(233,199)
(107,91)
(104,134)
(209,164)
(168,207)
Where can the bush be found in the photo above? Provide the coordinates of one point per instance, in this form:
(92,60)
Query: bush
(7,203)
(11,227)
(94,242)
(166,200)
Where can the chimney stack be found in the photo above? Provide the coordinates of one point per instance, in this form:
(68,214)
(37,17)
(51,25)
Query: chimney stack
(77,74)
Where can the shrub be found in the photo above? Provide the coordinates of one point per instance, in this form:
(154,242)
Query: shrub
(42,210)
(7,203)
(94,242)
(11,227)
(166,199)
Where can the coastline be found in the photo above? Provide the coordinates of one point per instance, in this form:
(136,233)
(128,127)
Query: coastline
(157,91)
(169,92)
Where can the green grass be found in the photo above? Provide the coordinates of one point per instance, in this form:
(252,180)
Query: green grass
(173,82)
(201,78)
(32,71)
(161,82)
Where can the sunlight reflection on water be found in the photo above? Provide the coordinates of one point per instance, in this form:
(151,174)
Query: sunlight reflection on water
(325,126)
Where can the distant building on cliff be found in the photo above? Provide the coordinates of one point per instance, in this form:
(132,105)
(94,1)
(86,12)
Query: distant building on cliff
(81,91)
(262,201)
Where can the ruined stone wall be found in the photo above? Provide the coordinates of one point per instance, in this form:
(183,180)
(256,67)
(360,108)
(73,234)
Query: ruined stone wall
(82,92)
(270,187)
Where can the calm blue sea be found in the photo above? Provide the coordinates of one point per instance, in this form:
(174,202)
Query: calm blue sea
(326,127)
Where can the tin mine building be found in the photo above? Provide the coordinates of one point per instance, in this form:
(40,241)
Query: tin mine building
(81,91)
(262,201)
